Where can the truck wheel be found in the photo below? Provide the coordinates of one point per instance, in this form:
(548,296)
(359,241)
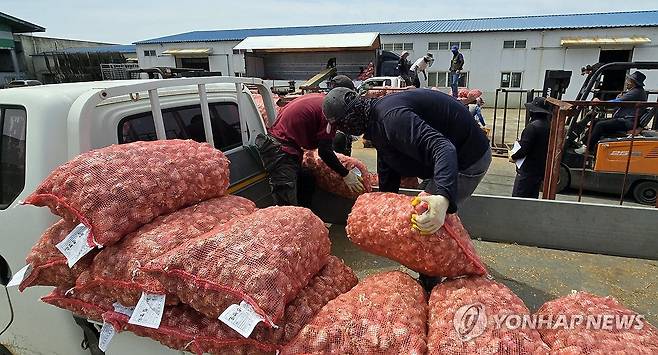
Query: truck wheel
(4,350)
(564,179)
(645,192)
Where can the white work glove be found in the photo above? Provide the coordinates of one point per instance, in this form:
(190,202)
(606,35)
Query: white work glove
(432,220)
(353,182)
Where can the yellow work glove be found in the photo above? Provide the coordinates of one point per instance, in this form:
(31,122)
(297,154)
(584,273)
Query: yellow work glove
(353,182)
(431,220)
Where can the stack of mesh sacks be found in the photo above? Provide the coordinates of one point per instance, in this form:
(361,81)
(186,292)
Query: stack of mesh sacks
(178,235)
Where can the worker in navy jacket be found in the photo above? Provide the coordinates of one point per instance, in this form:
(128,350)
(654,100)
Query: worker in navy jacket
(417,132)
(624,118)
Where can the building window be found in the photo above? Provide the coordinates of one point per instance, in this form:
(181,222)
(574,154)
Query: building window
(398,47)
(186,123)
(13,122)
(511,80)
(239,51)
(149,53)
(519,43)
(440,79)
(433,46)
(448,45)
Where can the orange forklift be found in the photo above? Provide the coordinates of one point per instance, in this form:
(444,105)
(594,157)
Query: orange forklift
(606,173)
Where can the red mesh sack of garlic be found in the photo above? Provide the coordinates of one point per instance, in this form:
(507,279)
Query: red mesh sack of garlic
(182,328)
(384,314)
(115,271)
(116,189)
(264,258)
(49,265)
(473,94)
(329,180)
(405,182)
(87,305)
(380,223)
(601,325)
(463,316)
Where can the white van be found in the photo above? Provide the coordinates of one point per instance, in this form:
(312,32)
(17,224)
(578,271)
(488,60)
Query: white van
(44,126)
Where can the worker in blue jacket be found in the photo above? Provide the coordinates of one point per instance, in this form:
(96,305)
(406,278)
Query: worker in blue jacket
(422,133)
(417,132)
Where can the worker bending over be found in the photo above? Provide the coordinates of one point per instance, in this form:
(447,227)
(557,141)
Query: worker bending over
(624,118)
(300,126)
(420,67)
(422,133)
(417,132)
(534,148)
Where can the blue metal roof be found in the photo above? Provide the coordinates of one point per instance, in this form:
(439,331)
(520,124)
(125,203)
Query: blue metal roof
(521,23)
(114,48)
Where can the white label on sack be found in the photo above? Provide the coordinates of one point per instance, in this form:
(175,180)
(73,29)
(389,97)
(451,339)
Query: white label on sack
(106,335)
(148,311)
(119,308)
(75,246)
(241,318)
(20,275)
(357,172)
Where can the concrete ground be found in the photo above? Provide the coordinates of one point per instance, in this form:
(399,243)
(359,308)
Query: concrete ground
(499,179)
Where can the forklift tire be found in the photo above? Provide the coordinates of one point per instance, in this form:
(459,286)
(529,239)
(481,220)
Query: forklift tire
(645,192)
(564,179)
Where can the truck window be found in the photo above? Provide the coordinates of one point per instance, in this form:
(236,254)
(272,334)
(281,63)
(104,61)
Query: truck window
(187,123)
(13,122)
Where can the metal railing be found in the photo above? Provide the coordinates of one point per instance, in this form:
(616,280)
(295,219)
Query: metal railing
(564,112)
(502,141)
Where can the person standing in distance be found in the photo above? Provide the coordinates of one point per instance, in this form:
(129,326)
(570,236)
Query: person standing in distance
(456,66)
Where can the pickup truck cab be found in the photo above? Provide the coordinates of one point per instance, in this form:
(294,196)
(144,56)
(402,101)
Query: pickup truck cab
(382,81)
(44,126)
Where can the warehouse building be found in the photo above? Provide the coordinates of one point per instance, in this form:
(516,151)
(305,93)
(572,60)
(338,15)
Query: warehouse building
(508,52)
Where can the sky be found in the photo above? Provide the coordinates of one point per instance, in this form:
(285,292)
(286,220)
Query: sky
(123,21)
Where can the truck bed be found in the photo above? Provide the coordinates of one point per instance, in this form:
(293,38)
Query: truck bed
(538,275)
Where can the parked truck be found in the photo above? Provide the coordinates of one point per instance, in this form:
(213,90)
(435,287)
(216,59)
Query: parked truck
(44,126)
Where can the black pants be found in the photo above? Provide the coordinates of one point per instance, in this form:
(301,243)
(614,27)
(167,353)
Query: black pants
(603,128)
(527,185)
(415,79)
(291,185)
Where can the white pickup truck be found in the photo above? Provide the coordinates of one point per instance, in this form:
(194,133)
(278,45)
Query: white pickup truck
(44,126)
(382,81)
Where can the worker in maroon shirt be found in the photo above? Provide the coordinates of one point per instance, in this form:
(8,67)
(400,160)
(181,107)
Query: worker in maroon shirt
(301,126)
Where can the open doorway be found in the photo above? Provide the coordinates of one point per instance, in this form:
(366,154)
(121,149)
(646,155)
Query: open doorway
(193,63)
(613,80)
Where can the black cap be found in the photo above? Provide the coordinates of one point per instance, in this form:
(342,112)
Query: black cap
(342,81)
(637,77)
(335,104)
(538,105)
